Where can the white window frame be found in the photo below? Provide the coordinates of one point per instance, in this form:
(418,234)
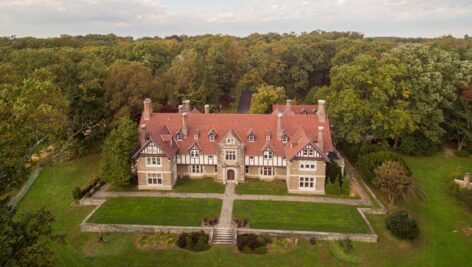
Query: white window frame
(153,162)
(251,138)
(230,155)
(267,171)
(309,165)
(230,141)
(194,153)
(284,139)
(307,183)
(308,152)
(267,137)
(178,137)
(211,137)
(196,169)
(268,154)
(195,136)
(154,178)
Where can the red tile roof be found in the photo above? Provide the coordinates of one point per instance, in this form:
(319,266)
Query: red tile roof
(297,109)
(301,129)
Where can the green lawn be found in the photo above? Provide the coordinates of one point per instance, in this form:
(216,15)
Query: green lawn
(254,186)
(184,185)
(441,219)
(156,211)
(300,216)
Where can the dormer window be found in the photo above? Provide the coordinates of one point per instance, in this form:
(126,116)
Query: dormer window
(251,139)
(178,137)
(194,153)
(267,137)
(195,136)
(268,154)
(284,139)
(230,141)
(211,137)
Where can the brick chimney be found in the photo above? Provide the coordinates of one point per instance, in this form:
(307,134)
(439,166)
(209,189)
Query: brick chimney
(186,104)
(207,109)
(279,126)
(181,108)
(185,124)
(142,134)
(320,137)
(289,105)
(321,110)
(147,112)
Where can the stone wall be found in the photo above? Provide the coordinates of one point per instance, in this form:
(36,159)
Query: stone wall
(134,228)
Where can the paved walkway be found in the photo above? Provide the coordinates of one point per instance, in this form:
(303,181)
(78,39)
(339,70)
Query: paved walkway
(226,215)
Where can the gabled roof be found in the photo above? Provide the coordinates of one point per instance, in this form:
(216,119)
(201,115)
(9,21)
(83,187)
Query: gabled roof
(250,132)
(212,131)
(267,145)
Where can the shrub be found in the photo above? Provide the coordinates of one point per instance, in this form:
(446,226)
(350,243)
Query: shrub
(313,240)
(391,178)
(465,195)
(333,171)
(346,245)
(76,193)
(418,145)
(402,225)
(462,153)
(339,187)
(193,241)
(253,244)
(369,162)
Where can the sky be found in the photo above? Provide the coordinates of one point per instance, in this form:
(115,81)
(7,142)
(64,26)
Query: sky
(138,18)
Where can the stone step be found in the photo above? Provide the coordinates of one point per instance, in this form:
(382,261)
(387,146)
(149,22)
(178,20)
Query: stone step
(223,236)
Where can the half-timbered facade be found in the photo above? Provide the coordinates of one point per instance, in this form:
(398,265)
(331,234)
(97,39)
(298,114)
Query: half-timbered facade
(292,144)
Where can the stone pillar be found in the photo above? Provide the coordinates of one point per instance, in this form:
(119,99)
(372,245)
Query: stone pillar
(185,124)
(147,112)
(207,109)
(289,105)
(279,126)
(321,112)
(320,137)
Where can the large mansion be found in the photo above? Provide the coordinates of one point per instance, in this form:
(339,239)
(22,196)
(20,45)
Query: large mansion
(293,143)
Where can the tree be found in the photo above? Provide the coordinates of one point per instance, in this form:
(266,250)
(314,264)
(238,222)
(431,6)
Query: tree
(459,119)
(265,96)
(126,85)
(24,240)
(119,146)
(392,179)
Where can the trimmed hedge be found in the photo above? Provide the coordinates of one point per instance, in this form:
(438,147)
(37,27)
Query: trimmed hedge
(369,162)
(253,244)
(193,241)
(90,187)
(402,225)
(339,187)
(333,171)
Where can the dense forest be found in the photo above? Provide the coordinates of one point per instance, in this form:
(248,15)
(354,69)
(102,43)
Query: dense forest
(59,96)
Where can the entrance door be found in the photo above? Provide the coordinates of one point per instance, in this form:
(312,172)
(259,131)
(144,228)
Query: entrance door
(230,175)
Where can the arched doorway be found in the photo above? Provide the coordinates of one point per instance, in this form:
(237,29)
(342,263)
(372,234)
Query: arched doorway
(230,175)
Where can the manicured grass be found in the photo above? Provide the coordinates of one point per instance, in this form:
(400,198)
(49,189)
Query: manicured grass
(441,218)
(183,185)
(300,216)
(156,211)
(254,186)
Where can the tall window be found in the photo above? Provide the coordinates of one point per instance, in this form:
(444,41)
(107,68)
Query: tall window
(306,182)
(153,161)
(307,165)
(196,169)
(154,178)
(230,141)
(194,153)
(230,155)
(268,154)
(267,171)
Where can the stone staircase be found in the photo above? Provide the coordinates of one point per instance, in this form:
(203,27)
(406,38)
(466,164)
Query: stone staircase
(223,236)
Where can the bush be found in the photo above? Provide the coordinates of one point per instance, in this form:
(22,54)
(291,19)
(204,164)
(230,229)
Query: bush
(346,245)
(339,187)
(253,244)
(462,153)
(313,240)
(193,241)
(76,193)
(354,151)
(402,225)
(369,162)
(418,145)
(333,171)
(465,195)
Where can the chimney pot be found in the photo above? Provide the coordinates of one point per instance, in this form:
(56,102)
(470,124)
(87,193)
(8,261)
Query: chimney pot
(185,124)
(147,112)
(186,104)
(289,105)
(207,109)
